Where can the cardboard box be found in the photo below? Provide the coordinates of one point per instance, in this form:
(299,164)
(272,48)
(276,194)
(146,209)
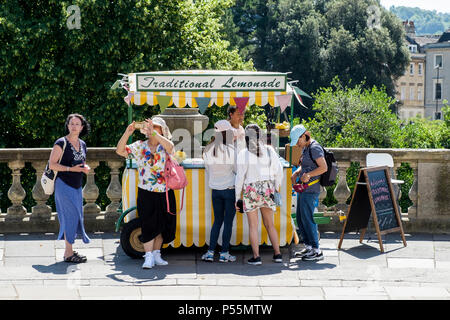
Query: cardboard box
(296,154)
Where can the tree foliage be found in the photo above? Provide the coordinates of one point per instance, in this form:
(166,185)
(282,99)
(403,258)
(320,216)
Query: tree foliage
(49,70)
(425,21)
(318,40)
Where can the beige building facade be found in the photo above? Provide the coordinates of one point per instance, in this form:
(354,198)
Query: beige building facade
(411,88)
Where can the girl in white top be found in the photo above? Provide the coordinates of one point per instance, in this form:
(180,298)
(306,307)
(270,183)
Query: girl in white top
(220,164)
(259,174)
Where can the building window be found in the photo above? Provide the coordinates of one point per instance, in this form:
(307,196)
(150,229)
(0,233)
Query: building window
(402,93)
(411,69)
(420,70)
(412,48)
(437,91)
(419,94)
(411,93)
(438,61)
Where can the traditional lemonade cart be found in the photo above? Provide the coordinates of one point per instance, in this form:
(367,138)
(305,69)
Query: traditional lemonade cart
(202,89)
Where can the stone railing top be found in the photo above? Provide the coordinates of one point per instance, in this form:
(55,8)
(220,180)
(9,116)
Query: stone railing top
(342,154)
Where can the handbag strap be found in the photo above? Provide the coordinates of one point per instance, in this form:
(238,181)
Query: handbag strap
(270,165)
(64,148)
(167,189)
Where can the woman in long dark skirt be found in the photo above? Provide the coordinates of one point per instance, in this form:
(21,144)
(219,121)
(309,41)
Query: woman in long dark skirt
(158,226)
(68,192)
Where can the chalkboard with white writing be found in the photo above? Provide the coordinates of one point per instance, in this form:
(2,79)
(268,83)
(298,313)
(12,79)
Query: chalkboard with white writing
(373,196)
(382,200)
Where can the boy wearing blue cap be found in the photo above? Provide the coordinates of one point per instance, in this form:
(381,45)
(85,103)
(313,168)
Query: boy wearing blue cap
(312,165)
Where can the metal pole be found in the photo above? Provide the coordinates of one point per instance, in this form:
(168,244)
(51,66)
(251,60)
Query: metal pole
(437,82)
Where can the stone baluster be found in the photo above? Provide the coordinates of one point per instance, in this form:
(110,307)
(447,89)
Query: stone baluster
(114,191)
(342,192)
(16,192)
(412,210)
(40,210)
(397,165)
(91,191)
(322,196)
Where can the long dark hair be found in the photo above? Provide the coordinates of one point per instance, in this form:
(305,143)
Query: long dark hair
(252,138)
(220,138)
(84,123)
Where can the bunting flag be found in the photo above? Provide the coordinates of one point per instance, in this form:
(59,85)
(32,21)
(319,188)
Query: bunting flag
(284,101)
(203,103)
(241,103)
(163,101)
(127,98)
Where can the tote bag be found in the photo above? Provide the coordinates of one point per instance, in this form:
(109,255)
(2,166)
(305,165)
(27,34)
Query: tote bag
(49,176)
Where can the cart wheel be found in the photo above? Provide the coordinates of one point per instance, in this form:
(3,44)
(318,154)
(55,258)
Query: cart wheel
(129,239)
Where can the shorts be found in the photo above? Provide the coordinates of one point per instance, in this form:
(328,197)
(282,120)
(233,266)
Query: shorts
(259,195)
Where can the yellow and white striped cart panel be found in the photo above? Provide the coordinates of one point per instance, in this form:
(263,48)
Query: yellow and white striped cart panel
(195,220)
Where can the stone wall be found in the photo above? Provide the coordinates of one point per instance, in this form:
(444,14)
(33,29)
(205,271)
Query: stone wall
(429,192)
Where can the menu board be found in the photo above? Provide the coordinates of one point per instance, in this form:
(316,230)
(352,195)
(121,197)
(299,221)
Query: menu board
(373,196)
(382,200)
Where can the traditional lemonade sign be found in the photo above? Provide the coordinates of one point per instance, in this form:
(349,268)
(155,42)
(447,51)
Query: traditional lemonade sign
(260,81)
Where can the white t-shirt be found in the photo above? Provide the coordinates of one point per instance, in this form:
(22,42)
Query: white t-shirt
(251,168)
(221,168)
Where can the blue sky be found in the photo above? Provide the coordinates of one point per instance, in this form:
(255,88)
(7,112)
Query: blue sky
(438,5)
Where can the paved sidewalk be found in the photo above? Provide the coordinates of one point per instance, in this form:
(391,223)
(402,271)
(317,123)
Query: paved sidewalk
(31,267)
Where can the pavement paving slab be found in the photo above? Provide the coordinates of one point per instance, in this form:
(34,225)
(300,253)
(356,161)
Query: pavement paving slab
(31,267)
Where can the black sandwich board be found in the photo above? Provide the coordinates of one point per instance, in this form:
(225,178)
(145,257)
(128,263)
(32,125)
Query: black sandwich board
(373,195)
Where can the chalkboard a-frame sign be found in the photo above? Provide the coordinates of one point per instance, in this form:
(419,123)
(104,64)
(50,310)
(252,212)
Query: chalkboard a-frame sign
(373,195)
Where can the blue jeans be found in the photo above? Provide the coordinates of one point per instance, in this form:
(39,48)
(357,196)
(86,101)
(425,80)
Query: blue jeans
(224,211)
(305,218)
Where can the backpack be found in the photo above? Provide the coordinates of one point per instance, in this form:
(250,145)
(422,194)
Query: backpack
(175,178)
(327,178)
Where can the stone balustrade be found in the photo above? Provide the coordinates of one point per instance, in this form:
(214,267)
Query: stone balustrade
(429,192)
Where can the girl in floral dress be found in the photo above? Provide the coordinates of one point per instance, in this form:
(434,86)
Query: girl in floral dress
(158,226)
(259,174)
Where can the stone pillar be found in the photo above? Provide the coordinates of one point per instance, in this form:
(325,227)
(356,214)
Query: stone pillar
(114,191)
(90,191)
(412,210)
(342,192)
(16,192)
(40,210)
(397,187)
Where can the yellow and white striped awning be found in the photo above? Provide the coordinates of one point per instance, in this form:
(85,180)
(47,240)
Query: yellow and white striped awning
(219,98)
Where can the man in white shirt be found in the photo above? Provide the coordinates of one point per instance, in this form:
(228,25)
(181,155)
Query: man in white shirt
(236,119)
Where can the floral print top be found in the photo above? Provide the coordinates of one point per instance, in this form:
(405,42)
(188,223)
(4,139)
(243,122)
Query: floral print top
(150,166)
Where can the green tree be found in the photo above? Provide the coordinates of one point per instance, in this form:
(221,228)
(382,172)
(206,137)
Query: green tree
(353,117)
(49,70)
(318,40)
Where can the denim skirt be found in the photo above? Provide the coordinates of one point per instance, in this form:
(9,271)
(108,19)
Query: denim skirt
(69,205)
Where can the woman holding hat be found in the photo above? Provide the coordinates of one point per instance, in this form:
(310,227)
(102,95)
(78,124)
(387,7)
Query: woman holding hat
(158,226)
(220,164)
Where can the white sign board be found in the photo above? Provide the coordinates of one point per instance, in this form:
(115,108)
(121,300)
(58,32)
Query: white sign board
(208,82)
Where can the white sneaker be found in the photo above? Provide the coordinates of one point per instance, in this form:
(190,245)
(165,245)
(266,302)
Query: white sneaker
(149,261)
(158,260)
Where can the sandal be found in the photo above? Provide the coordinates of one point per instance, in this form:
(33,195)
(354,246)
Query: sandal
(75,258)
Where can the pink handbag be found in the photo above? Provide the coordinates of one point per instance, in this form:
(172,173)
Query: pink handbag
(175,178)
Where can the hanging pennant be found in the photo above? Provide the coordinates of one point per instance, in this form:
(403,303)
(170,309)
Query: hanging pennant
(284,101)
(163,102)
(241,103)
(203,103)
(127,98)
